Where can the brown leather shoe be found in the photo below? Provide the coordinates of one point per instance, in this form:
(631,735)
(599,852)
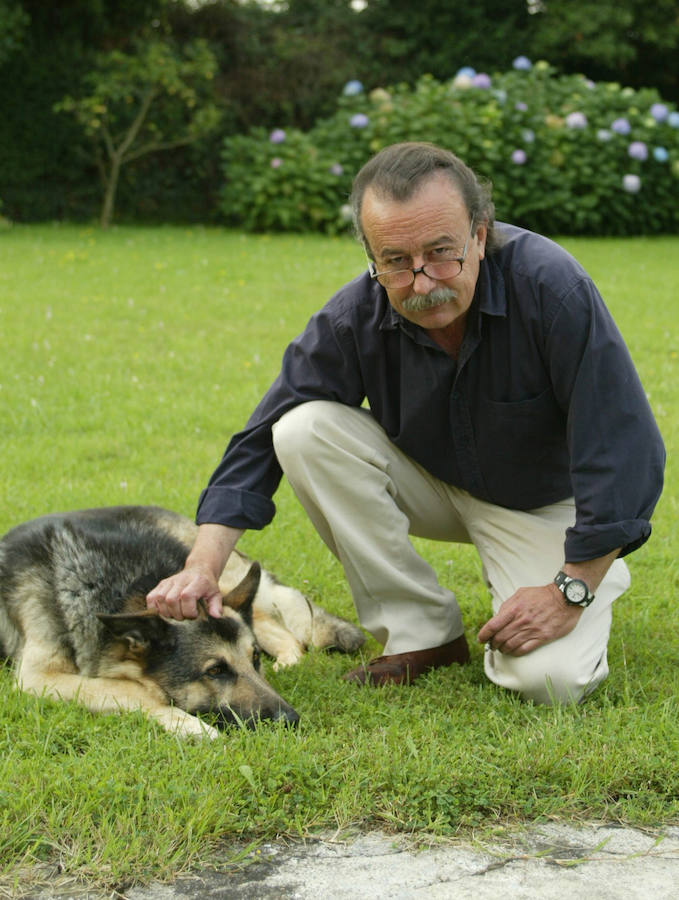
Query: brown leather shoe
(404,668)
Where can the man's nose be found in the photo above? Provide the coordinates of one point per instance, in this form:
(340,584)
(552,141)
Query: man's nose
(422,283)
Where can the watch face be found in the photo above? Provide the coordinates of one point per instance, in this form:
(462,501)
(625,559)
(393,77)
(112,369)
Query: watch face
(576,591)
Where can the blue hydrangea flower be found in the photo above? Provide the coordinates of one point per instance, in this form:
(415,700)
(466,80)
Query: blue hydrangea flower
(638,150)
(466,72)
(631,183)
(621,126)
(522,64)
(352,88)
(277,136)
(603,134)
(660,154)
(481,80)
(576,120)
(528,135)
(359,120)
(336,169)
(519,157)
(659,112)
(520,106)
(673,119)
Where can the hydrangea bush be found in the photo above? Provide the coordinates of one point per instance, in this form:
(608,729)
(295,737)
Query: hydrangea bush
(565,155)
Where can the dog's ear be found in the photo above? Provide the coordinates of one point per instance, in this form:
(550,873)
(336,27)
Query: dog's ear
(241,597)
(138,632)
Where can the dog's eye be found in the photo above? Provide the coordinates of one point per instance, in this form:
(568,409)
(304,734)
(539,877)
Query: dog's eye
(256,658)
(219,670)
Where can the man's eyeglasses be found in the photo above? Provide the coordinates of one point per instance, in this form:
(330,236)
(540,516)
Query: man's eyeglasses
(443,265)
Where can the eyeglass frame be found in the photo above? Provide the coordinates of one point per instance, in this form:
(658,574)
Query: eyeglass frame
(374,274)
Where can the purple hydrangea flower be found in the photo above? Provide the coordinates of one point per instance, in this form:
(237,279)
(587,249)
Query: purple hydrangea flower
(576,120)
(522,64)
(352,88)
(520,106)
(621,126)
(277,136)
(336,169)
(660,154)
(659,112)
(519,157)
(638,150)
(673,119)
(481,80)
(359,120)
(276,162)
(631,183)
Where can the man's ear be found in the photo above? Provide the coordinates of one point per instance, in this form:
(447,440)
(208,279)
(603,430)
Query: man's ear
(241,597)
(138,632)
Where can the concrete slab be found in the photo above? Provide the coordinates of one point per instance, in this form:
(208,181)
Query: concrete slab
(550,862)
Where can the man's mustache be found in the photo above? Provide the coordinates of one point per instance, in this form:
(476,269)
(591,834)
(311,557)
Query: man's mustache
(420,302)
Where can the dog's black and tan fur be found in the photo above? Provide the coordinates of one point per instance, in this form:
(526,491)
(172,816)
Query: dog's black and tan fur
(73,618)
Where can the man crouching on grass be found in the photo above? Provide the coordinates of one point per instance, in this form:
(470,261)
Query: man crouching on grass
(504,411)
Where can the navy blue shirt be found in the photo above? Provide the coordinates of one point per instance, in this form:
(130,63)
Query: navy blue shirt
(543,403)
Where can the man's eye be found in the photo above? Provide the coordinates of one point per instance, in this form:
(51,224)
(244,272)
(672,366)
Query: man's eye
(439,253)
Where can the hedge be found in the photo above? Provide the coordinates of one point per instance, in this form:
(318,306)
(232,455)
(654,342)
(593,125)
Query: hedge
(565,155)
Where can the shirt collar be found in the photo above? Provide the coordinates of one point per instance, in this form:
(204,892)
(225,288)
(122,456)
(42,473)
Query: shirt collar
(489,297)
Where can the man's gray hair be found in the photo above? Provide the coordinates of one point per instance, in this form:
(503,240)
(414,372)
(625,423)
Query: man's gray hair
(398,171)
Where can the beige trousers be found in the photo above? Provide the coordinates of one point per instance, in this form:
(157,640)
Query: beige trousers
(365,498)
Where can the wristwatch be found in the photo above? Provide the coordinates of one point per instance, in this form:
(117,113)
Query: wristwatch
(575,591)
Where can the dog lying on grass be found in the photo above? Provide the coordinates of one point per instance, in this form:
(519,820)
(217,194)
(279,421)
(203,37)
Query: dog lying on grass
(73,619)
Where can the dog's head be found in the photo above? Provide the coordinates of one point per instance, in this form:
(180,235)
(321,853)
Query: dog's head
(204,665)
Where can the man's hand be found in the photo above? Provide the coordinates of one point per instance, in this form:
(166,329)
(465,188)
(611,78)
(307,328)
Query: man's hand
(177,597)
(531,617)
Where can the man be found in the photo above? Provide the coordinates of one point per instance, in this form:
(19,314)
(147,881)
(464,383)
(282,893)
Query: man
(504,410)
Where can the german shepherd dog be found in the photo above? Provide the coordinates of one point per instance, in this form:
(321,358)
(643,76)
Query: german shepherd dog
(73,618)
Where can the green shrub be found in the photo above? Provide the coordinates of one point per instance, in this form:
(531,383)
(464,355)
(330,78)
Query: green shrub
(565,155)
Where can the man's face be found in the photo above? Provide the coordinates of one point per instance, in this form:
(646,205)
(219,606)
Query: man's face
(408,235)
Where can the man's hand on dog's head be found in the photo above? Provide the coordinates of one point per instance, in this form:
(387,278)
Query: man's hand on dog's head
(177,597)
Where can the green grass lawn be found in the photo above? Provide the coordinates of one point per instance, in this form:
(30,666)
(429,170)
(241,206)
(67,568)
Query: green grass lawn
(129,358)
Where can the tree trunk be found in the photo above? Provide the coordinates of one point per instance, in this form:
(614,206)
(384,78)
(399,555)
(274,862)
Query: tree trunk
(110,192)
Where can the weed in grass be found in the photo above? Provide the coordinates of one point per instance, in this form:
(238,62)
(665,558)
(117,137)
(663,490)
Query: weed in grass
(129,359)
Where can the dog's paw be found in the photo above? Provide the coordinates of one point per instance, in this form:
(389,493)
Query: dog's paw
(288,657)
(185,725)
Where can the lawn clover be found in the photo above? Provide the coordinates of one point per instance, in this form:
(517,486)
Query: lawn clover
(522,64)
(638,150)
(621,126)
(519,157)
(359,120)
(576,120)
(352,88)
(631,183)
(277,136)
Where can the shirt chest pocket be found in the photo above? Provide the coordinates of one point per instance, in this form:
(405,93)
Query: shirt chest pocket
(523,431)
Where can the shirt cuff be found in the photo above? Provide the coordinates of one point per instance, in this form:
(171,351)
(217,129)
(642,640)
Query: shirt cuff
(585,542)
(237,509)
